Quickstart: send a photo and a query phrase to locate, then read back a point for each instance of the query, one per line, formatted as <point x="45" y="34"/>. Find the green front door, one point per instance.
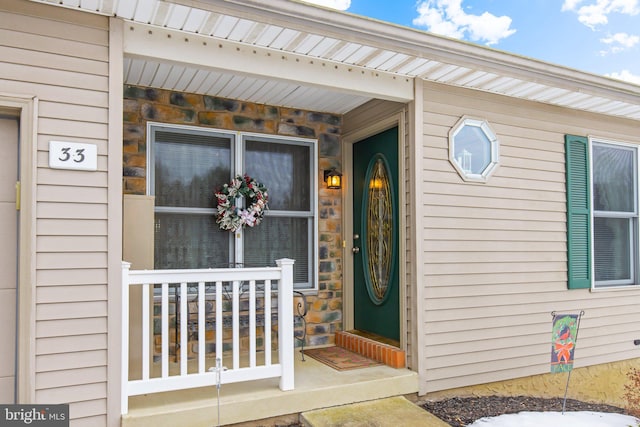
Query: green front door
<point x="375" y="239"/>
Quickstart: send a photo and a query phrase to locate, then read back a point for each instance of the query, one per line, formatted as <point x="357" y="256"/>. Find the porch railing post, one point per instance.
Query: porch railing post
<point x="285" y="324"/>
<point x="124" y="363"/>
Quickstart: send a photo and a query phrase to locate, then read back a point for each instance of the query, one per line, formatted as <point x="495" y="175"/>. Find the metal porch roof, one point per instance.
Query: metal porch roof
<point x="340" y="38"/>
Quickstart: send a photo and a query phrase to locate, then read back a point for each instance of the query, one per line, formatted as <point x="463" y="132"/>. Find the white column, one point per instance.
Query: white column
<point x="285" y="324"/>
<point x="124" y="394"/>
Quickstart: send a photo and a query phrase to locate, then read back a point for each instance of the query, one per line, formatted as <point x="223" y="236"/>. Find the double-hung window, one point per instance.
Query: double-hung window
<point x="615" y="213"/>
<point x="187" y="165"/>
<point x="602" y="213"/>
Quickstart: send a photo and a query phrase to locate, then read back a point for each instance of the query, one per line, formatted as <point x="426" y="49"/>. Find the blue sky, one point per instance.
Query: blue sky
<point x="597" y="36"/>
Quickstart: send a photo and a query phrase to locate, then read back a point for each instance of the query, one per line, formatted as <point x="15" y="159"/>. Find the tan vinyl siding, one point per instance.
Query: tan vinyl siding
<point x="494" y="254"/>
<point x="57" y="363"/>
<point x="370" y="114"/>
<point x="71" y="243"/>
<point x="62" y="227"/>
<point x="71" y="277"/>
<point x="52" y="345"/>
<point x="61" y="57"/>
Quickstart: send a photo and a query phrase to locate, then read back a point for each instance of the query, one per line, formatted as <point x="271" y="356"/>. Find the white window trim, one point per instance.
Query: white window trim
<point x="239" y="138"/>
<point x="635" y="231"/>
<point x="483" y="125"/>
<point x="313" y="213"/>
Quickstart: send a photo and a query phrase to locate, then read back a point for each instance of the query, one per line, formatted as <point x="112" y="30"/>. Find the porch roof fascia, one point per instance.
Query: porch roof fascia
<point x="444" y="60"/>
<point x="156" y="44"/>
<point x="421" y="44"/>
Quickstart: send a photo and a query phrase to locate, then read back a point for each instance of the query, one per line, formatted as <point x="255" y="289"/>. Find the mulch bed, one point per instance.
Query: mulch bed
<point x="460" y="412"/>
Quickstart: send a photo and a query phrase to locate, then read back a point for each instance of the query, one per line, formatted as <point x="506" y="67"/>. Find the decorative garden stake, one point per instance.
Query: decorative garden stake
<point x="218" y="371"/>
<point x="564" y="337"/>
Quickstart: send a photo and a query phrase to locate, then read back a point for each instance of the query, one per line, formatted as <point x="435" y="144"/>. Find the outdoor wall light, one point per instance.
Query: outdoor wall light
<point x="333" y="178"/>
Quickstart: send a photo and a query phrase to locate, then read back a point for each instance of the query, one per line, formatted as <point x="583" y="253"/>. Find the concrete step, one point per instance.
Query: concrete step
<point x="317" y="386"/>
<point x="390" y="412"/>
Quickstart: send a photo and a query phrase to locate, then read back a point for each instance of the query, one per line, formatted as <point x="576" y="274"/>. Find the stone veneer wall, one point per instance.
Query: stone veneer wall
<point x="141" y="104"/>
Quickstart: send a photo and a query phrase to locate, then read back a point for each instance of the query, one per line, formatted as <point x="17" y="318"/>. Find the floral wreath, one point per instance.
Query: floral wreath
<point x="231" y="217"/>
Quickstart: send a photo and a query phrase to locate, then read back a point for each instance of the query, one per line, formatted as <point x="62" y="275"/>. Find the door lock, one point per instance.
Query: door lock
<point x="355" y="250"/>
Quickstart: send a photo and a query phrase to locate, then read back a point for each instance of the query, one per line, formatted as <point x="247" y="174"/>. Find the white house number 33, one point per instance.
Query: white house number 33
<point x="73" y="155"/>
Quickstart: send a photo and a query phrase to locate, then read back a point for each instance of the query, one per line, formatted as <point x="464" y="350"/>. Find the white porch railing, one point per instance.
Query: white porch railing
<point x="229" y="282"/>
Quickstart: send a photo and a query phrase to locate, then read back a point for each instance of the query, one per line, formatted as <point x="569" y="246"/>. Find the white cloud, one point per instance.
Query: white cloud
<point x="447" y="18"/>
<point x="332" y="4"/>
<point x="626" y="75"/>
<point x="624" y="39"/>
<point x="593" y="15"/>
<point x="597" y="13"/>
<point x="570" y="4"/>
<point x="619" y="42"/>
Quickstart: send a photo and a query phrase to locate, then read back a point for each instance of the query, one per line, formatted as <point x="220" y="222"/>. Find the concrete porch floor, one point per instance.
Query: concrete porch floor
<point x="316" y="386"/>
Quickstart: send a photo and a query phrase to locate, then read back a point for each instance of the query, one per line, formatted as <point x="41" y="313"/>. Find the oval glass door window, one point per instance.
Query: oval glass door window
<point x="379" y="230"/>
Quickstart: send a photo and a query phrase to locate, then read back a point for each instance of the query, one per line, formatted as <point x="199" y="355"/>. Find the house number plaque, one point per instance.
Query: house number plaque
<point x="73" y="155"/>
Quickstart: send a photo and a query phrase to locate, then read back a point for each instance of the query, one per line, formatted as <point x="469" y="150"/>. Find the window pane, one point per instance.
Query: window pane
<point x="612" y="244"/>
<point x="277" y="238"/>
<point x="472" y="149"/>
<point x="189" y="168"/>
<point x="613" y="179"/>
<point x="190" y="241"/>
<point x="284" y="169"/>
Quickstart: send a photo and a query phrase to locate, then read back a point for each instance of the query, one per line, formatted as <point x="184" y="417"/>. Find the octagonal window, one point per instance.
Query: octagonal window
<point x="473" y="149"/>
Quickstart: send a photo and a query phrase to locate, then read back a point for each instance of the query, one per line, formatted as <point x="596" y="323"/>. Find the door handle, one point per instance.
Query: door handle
<point x="355" y="250"/>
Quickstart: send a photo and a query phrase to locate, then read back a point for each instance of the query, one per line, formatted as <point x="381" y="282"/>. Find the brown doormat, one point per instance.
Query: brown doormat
<point x="340" y="358"/>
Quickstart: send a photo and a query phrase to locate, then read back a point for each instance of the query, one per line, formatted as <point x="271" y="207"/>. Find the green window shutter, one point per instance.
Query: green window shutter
<point x="578" y="212"/>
